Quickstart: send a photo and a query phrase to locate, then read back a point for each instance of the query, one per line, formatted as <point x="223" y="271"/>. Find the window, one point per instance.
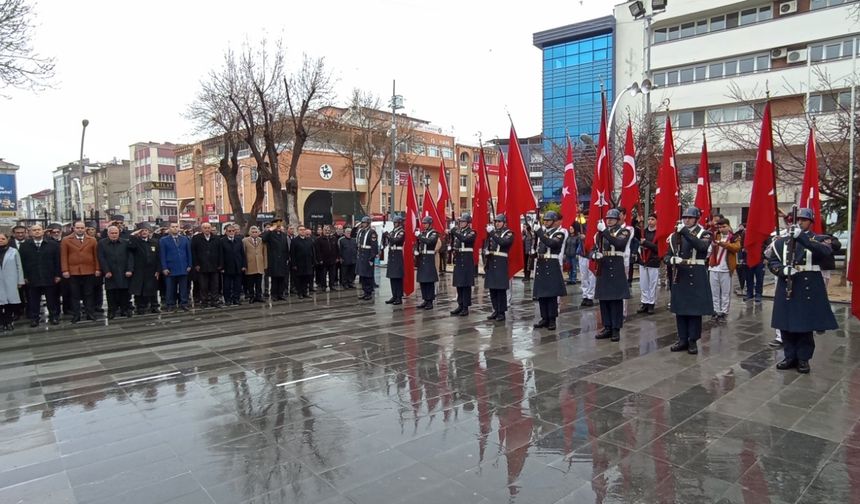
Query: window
<point x="762" y="63"/>
<point x="715" y="70"/>
<point x="715" y="116"/>
<point x="660" y="79"/>
<point x="765" y="13"/>
<point x="715" y="172"/>
<point x="447" y="153"/>
<point x="749" y="16"/>
<point x="701" y="26"/>
<point x="688" y="30"/>
<point x="686" y="75"/>
<point x="731" y="67"/>
<point x="718" y="23"/>
<point x="361" y="173"/>
<point x="464" y="158"/>
<point x="816" y="52"/>
<point x="672" y="78"/>
<point x="700" y="73"/>
<point x="832" y="51"/>
<point x="750" y="170"/>
<point x="746" y="65"/>
<point x="673" y="33"/>
<point x="418" y="149"/>
<point x="432" y="151"/>
<point x="731" y="20"/>
<point x="688" y="174"/>
<point x="464" y="181"/>
<point x="660" y="35"/>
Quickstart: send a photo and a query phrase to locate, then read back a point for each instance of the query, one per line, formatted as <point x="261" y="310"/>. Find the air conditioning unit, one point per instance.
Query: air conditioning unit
<point x="796" y="56"/>
<point x="789" y="7"/>
<point x="779" y="53"/>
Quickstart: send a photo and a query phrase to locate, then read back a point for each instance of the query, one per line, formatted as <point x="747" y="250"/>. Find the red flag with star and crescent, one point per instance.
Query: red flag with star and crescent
<point x="854" y="269"/>
<point x="703" y="187"/>
<point x="443" y="196"/>
<point x="521" y="200"/>
<point x="502" y="186"/>
<point x="667" y="200"/>
<point x="809" y="195"/>
<point x="410" y="224"/>
<point x="601" y="184"/>
<point x="762" y="214"/>
<point x="480" y="206"/>
<point x="428" y="207"/>
<point x="629" y="179"/>
<point x="569" y="191"/>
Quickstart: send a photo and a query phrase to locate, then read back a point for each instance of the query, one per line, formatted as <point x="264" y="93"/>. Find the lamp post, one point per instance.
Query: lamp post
<point x="76" y="182"/>
<point x="396" y="103"/>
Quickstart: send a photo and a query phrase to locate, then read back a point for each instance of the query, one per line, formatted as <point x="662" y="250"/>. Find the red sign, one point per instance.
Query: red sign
<point x="225" y="218"/>
<point x="209" y="208"/>
<point x="491" y="169"/>
<point x="377" y="217"/>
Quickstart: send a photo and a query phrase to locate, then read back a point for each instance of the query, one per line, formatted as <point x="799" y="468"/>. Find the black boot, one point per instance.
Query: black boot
<point x="464" y="312"/>
<point x="429" y="305"/>
<point x="616" y="335"/>
<point x="650" y="308"/>
<point x="604" y="334"/>
<point x="541" y="323"/>
<point x="500" y="317"/>
<point x="787" y="364"/>
<point x="643" y="308"/>
<point x="422" y="305"/>
<point x="551" y="324"/>
<point x="390" y="301"/>
<point x="802" y="366"/>
<point x="679" y="347"/>
<point x="457" y="310"/>
<point x="493" y="316"/>
<point x="693" y="348"/>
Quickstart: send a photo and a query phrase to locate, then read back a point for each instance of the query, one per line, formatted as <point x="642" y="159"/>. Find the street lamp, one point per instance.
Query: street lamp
<point x="77" y="180"/>
<point x="634" y="89"/>
<point x="396" y="103"/>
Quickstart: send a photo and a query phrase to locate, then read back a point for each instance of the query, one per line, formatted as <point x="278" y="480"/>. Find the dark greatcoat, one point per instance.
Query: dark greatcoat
<point x="548" y="277"/>
<point x="348" y="250"/>
<point x="495" y="265"/>
<point x="368" y="249"/>
<point x="302" y="257"/>
<point x="147" y="262"/>
<point x="426" y="256"/>
<point x="326" y="250"/>
<point x="691" y="287"/>
<point x="206" y="254"/>
<point x="41" y="266"/>
<point x="612" y="282"/>
<point x="233" y="255"/>
<point x="808" y="308"/>
<point x="278" y="250"/>
<point x="396" y="238"/>
<point x="464" y="259"/>
<point x="115" y="258"/>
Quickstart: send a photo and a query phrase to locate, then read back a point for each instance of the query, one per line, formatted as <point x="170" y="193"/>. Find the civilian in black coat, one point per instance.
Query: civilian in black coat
<point x="302" y="260"/>
<point x="147" y="270"/>
<point x="40" y="259"/>
<point x="348" y="251"/>
<point x="117" y="266"/>
<point x="278" y="258"/>
<point x="206" y="256"/>
<point x="235" y="264"/>
<point x="326" y="252"/>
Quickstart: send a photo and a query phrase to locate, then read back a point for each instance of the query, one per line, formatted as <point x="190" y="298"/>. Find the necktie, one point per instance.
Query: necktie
<point x="176" y="240"/>
<point x="38" y="245"/>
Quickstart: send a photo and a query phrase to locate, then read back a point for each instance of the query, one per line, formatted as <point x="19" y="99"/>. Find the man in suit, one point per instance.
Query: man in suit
<point x="40" y="259"/>
<point x="80" y="265"/>
<point x="117" y="263"/>
<point x="234" y="264"/>
<point x="147" y="270"/>
<point x="175" y="256"/>
<point x="326" y="252"/>
<point x="207" y="258"/>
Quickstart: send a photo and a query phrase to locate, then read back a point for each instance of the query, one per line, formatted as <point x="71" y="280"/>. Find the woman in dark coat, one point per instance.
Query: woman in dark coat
<point x="147" y="268"/>
<point x="394" y="271"/>
<point x="302" y="261"/>
<point x="425" y="259"/>
<point x="499" y="241"/>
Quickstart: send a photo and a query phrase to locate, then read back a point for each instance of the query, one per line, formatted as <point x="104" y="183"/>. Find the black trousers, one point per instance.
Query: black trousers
<point x="396" y="288"/>
<point x="612" y="313"/>
<point x="141" y="303"/>
<point x="7" y="313"/>
<point x="52" y="299"/>
<point x="798" y="345"/>
<point x="303" y="282"/>
<point x="326" y="275"/>
<point x="117" y="299"/>
<point x="65" y="289"/>
<point x="99" y="293"/>
<point x="337" y="273"/>
<point x="81" y="288"/>
<point x="24" y="295"/>
<point x="209" y="292"/>
<point x="464" y="297"/>
<point x="428" y="291"/>
<point x="278" y="287"/>
<point x="255" y="286"/>
<point x="347" y="277"/>
<point x="367" y="285"/>
<point x="499" y="298"/>
<point x="689" y="328"/>
<point x="232" y="287"/>
<point x="548" y="307"/>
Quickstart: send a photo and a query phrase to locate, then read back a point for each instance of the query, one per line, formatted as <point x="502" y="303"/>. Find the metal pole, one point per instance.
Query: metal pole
<point x="851" y="148"/>
<point x="648" y="119"/>
<point x="393" y="145"/>
<point x="84" y="123"/>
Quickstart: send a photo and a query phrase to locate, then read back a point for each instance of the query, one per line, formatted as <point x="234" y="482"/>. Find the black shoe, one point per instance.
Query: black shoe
<point x="679" y="347"/>
<point x="642" y="309"/>
<point x="693" y="348"/>
<point x="99" y="310"/>
<point x="457" y="310"/>
<point x="464" y="312"/>
<point x="127" y="314"/>
<point x="34" y="323"/>
<point x="606" y="333"/>
<point x="422" y="305"/>
<point x="500" y="317"/>
<point x="616" y="335"/>
<point x="428" y="306"/>
<point x="802" y="366"/>
<point x="492" y="316"/>
<point x="541" y="323"/>
<point x="390" y="301"/>
<point x="397" y="302"/>
<point x="54" y="321"/>
<point x="110" y="316"/>
<point x="184" y="308"/>
<point x="550" y="325"/>
<point x="587" y="302"/>
<point x="788" y="364"/>
<point x="650" y="309"/>
<point x="154" y="309"/>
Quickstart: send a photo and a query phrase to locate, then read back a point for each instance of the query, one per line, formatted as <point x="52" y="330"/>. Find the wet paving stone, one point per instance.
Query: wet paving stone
<point x="336" y="402"/>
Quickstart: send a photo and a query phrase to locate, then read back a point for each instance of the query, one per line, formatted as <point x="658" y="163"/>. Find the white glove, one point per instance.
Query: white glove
<point x="788" y="271"/>
<point x="601" y="226"/>
<point x="676" y="260"/>
<point x="795" y="231"/>
<point x="452" y="226"/>
<point x="597" y="256"/>
<point x="417" y="233"/>
<point x="679" y="227"/>
<point x="490" y="228"/>
<point x="536" y="227"/>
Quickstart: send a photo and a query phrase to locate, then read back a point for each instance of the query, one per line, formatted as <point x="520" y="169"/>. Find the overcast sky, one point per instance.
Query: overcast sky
<point x="132" y="68"/>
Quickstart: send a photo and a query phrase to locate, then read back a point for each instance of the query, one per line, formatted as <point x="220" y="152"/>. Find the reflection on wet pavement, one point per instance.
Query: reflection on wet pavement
<point x="330" y="402"/>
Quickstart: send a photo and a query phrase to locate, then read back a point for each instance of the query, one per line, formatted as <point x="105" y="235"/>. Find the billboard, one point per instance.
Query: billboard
<point x="8" y="195"/>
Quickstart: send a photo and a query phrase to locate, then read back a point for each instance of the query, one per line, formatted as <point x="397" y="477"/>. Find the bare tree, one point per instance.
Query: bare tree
<point x="20" y="66"/>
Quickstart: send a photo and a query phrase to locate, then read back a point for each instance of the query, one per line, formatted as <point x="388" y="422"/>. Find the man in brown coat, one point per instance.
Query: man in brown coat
<point x="80" y="264"/>
<point x="255" y="253"/>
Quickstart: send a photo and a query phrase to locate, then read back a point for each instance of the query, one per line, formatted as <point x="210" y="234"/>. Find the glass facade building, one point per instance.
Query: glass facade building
<point x="577" y="60"/>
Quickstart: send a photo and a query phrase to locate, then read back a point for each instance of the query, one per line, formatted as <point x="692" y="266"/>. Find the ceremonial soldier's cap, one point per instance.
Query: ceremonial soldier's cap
<point x="144" y="225"/>
<point x="806" y="213"/>
<point x="613" y="214"/>
<point x="500" y="218"/>
<point x="365" y="220"/>
<point x="397" y="219"/>
<point x="277" y="222"/>
<point x="551" y="215"/>
<point x="692" y="212"/>
<point x="427" y="220"/>
<point x="465" y="217"/>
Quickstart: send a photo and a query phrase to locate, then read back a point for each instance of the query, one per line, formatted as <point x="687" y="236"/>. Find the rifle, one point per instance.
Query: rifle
<point x="789" y="254"/>
<point x="450" y="252"/>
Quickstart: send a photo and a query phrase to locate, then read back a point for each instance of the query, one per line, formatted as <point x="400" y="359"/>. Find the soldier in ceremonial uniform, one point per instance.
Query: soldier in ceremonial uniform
<point x="499" y="241"/>
<point x="464" y="263"/>
<point x="395" y="272"/>
<point x="612" y="288"/>
<point x="425" y="253"/>
<point x="368" y="249"/>
<point x="691" y="289"/>
<point x="800" y="303"/>
<point x="549" y="279"/>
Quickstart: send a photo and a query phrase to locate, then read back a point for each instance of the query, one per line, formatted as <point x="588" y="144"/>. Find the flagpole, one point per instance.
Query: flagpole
<point x="486" y="177"/>
<point x="773" y="163"/>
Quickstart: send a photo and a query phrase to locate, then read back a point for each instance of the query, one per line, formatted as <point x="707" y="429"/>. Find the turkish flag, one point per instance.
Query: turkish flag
<point x="410" y="224"/>
<point x="429" y="208"/>
<point x="667" y="201"/>
<point x="569" y="191"/>
<point x="854" y="269"/>
<point x="480" y="202"/>
<point x="629" y="179"/>
<point x="442" y="194"/>
<point x="703" y="187"/>
<point x="762" y="214"/>
<point x="601" y="185"/>
<point x="521" y="200"/>
<point x="502" y="186"/>
<point x="809" y="196"/>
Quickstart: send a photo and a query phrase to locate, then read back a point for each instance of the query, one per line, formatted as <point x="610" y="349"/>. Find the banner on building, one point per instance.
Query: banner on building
<point x="8" y="196"/>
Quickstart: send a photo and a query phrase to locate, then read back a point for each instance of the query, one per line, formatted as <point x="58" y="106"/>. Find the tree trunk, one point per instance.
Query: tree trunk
<point x="259" y="194"/>
<point x="275" y="177"/>
<point x="292" y="178"/>
<point x="229" y="169"/>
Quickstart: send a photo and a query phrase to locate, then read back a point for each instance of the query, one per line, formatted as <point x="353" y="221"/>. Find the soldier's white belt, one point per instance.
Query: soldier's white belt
<point x="802" y="268"/>
<point x="368" y="247"/>
<point x="548" y="256"/>
<point x="464" y="249"/>
<point x="694" y="262"/>
<point x="613" y="253"/>
<point x="500" y="254"/>
<point x="429" y="252"/>
<point x="395" y="248"/>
